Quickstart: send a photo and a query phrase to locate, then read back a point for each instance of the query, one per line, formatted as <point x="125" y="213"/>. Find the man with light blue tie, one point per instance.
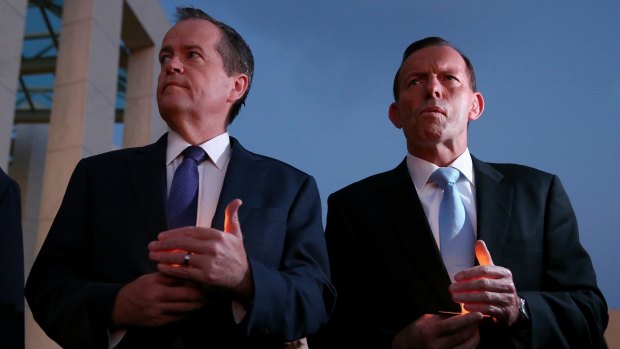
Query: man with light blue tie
<point x="401" y="243"/>
<point x="192" y="241"/>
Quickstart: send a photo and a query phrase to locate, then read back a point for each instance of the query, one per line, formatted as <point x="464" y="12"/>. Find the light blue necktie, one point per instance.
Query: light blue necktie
<point x="456" y="235"/>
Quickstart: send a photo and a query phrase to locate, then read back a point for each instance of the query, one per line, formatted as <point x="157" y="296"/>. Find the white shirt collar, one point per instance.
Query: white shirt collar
<point x="420" y="170"/>
<point x="215" y="147"/>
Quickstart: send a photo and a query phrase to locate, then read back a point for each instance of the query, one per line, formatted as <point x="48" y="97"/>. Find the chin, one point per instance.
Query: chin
<point x="169" y="113"/>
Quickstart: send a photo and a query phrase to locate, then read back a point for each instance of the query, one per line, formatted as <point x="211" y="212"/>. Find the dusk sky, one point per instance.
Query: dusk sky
<point x="548" y="71"/>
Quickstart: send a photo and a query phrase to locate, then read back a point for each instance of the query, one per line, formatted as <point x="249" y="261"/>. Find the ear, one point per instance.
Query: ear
<point x="240" y="86"/>
<point x="477" y="106"/>
<point x="394" y="115"/>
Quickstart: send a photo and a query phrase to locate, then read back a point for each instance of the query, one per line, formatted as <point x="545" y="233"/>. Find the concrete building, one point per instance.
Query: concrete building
<point x="94" y="65"/>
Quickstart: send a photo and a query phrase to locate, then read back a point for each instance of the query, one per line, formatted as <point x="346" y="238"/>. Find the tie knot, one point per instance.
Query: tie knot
<point x="195" y="153"/>
<point x="445" y="176"/>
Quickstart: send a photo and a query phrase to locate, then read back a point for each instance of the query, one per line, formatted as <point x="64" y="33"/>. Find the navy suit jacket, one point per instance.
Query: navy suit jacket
<point x="114" y="206"/>
<point x="388" y="270"/>
<point x="12" y="262"/>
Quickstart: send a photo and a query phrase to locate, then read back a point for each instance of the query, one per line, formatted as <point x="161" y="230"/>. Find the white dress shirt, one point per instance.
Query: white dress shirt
<point x="211" y="174"/>
<point x="430" y="194"/>
<point x="211" y="171"/>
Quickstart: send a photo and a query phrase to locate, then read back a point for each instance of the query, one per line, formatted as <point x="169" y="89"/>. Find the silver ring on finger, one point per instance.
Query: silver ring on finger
<point x="186" y="259"/>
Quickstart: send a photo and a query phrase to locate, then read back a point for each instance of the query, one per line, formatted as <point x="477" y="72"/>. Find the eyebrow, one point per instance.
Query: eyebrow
<point x="192" y="47"/>
<point x="449" y="71"/>
<point x="168" y="48"/>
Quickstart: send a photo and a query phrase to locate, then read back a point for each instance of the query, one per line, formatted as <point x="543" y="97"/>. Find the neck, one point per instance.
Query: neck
<point x="197" y="130"/>
<point x="439" y="155"/>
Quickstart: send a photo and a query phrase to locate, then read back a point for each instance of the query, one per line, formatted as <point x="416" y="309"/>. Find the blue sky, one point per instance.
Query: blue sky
<point x="548" y="71"/>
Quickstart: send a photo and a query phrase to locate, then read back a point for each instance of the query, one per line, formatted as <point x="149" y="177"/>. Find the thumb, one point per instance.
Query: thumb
<point x="231" y="218"/>
<point x="482" y="253"/>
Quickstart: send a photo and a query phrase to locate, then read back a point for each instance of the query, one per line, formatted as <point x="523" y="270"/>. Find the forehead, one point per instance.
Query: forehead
<point x="436" y="59"/>
<point x="192" y="32"/>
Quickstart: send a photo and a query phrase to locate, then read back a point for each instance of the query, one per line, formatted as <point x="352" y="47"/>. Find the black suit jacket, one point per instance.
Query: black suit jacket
<point x="114" y="206"/>
<point x="12" y="262"/>
<point x="388" y="270"/>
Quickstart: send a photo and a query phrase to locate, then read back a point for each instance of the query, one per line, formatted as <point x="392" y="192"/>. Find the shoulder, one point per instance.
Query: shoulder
<point x="514" y="172"/>
<point x="263" y="163"/>
<point x="155" y="150"/>
<point x="4" y="180"/>
<point x="6" y="183"/>
<point x="374" y="185"/>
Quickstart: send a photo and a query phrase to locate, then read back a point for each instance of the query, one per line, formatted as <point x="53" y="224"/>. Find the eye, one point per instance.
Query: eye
<point x="413" y="82"/>
<point x="453" y="78"/>
<point x="164" y="58"/>
<point x="193" y="55"/>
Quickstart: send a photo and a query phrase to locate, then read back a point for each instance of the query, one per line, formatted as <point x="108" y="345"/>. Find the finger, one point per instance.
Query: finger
<point x="497" y="293"/>
<point x="450" y="332"/>
<point x="480" y="272"/>
<point x="190" y="241"/>
<point x="482" y="253"/>
<point x="472" y="341"/>
<point x="174" y="258"/>
<point x="180" y="309"/>
<point x="458" y="322"/>
<point x="169" y="281"/>
<point x="183" y="294"/>
<point x="488" y="284"/>
<point x="177" y="232"/>
<point x="231" y="218"/>
<point x="190" y="273"/>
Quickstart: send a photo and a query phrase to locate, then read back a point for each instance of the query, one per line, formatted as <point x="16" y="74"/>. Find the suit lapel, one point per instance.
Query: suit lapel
<point x="402" y="206"/>
<point x="147" y="167"/>
<point x="494" y="203"/>
<point x="242" y="177"/>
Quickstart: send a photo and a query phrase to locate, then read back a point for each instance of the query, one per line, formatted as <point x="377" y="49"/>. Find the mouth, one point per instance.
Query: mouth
<point x="173" y="83"/>
<point x="433" y="109"/>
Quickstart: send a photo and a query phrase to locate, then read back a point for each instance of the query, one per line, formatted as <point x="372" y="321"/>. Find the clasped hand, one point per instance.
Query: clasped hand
<point x="217" y="260"/>
<point x="486" y="289"/>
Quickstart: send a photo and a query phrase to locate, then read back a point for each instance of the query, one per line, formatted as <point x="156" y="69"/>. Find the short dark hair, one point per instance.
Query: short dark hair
<point x="234" y="51"/>
<point x="426" y="42"/>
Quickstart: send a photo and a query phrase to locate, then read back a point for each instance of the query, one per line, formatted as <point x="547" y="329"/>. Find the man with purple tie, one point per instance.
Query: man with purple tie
<point x="193" y="241"/>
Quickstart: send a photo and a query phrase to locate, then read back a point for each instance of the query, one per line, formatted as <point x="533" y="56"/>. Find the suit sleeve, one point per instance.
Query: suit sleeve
<point x="12" y="261"/>
<point x="297" y="297"/>
<point x="66" y="301"/>
<point x="570" y="311"/>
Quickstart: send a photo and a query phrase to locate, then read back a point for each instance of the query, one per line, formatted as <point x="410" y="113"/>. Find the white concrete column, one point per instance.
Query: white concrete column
<point x="84" y="104"/>
<point x="12" y="23"/>
<point x="84" y="94"/>
<point x="143" y="35"/>
<point x="138" y="128"/>
<point x="27" y="170"/>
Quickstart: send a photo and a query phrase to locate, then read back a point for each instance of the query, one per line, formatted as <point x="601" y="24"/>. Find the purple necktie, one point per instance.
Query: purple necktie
<point x="182" y="202"/>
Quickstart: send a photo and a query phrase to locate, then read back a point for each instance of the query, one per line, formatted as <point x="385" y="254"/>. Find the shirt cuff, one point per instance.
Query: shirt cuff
<point x="115" y="337"/>
<point x="238" y="311"/>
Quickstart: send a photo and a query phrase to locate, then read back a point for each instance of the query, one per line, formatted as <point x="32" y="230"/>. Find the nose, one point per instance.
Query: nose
<point x="433" y="88"/>
<point x="173" y="65"/>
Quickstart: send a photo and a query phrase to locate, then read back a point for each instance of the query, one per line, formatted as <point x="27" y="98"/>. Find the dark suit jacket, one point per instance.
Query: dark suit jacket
<point x="12" y="262"/>
<point x="388" y="270"/>
<point x="114" y="206"/>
